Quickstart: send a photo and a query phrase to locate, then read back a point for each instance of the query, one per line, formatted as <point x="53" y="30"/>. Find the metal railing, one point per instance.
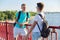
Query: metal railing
<point x="53" y="31"/>
<point x="52" y="27"/>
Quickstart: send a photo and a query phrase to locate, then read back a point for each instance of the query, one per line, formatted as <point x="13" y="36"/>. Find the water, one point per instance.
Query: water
<point x="53" y="19"/>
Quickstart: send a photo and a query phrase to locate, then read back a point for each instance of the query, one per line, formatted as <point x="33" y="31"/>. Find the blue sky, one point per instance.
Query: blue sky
<point x="50" y="5"/>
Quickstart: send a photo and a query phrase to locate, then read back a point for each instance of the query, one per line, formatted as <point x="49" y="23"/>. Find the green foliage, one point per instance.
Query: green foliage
<point x="10" y="15"/>
<point x="32" y="13"/>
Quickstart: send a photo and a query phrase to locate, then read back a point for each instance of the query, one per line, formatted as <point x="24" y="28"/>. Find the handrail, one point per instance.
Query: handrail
<point x="55" y="27"/>
<point x="52" y="27"/>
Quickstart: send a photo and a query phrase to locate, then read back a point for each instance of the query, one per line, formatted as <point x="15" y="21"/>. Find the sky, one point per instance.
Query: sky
<point x="49" y="5"/>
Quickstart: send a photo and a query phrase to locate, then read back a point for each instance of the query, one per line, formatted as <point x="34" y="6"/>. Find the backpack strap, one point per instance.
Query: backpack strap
<point x="27" y="16"/>
<point x="19" y="16"/>
<point x="38" y="24"/>
<point x="19" y="13"/>
<point x="38" y="27"/>
<point x="40" y="16"/>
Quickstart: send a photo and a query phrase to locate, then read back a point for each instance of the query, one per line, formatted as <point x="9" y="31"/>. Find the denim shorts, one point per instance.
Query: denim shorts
<point x="36" y="35"/>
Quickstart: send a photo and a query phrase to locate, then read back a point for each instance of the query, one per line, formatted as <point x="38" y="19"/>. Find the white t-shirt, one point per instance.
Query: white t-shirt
<point x="39" y="20"/>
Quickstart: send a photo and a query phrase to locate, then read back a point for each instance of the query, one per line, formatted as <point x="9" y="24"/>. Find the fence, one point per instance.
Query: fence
<point x="6" y="31"/>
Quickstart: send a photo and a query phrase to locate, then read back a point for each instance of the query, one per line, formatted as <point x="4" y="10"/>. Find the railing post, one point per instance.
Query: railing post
<point x="53" y="31"/>
<point x="6" y="29"/>
<point x="45" y="38"/>
<point x="6" y="32"/>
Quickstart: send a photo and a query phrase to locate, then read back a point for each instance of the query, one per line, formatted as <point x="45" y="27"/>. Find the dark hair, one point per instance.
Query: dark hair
<point x="23" y="4"/>
<point x="40" y="5"/>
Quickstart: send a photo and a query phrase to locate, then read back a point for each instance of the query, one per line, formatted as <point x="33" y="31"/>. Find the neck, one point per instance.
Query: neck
<point x="23" y="10"/>
<point x="40" y="11"/>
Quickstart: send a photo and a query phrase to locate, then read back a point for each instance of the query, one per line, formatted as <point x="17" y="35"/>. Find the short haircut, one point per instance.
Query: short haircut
<point x="40" y="5"/>
<point x="23" y="4"/>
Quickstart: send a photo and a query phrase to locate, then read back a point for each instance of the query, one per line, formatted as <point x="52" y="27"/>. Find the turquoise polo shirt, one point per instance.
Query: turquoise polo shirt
<point x="22" y="19"/>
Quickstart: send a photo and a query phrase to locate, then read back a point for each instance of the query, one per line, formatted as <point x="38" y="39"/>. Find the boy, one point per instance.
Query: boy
<point x="35" y="31"/>
<point x="19" y="28"/>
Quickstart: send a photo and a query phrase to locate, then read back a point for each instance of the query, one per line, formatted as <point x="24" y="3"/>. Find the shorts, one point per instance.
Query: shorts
<point x="36" y="36"/>
<point x="21" y="31"/>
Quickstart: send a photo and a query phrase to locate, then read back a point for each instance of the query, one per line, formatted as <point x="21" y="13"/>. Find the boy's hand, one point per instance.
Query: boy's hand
<point x="21" y="25"/>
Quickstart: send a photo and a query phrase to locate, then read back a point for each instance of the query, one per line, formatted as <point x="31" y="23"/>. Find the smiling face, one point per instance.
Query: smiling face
<point x="23" y="7"/>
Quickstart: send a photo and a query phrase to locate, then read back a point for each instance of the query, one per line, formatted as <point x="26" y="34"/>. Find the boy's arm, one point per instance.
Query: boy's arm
<point x="32" y="27"/>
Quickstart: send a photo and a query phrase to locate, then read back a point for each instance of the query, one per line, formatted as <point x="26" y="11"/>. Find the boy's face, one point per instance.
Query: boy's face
<point x="23" y="8"/>
<point x="38" y="9"/>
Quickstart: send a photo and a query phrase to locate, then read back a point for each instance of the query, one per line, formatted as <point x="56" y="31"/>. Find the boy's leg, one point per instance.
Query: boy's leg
<point x="15" y="32"/>
<point x="18" y="32"/>
<point x="14" y="38"/>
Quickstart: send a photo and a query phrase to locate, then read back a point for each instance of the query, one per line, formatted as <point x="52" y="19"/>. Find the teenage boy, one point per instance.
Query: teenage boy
<point x="19" y="28"/>
<point x="34" y="29"/>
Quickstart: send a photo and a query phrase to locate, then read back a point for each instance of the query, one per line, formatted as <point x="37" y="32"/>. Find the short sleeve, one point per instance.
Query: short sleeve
<point x="28" y="16"/>
<point x="36" y="18"/>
